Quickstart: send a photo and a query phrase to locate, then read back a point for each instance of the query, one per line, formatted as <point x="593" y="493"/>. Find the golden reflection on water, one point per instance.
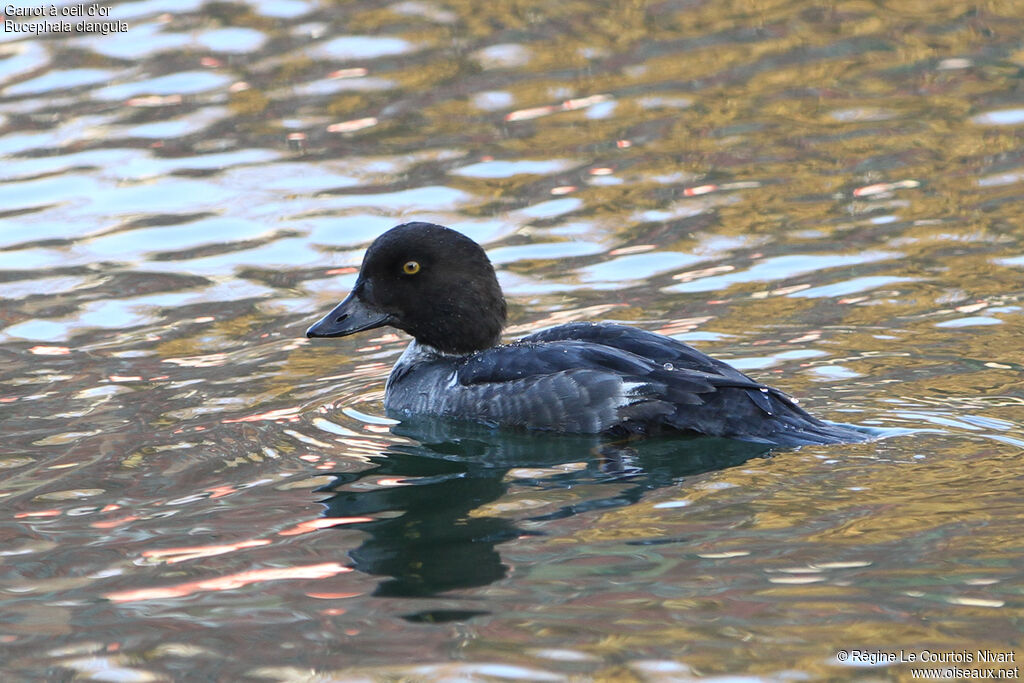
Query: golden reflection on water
<point x="787" y="147"/>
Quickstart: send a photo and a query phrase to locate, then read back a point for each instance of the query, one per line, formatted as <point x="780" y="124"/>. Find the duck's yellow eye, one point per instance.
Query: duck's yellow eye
<point x="411" y="267"/>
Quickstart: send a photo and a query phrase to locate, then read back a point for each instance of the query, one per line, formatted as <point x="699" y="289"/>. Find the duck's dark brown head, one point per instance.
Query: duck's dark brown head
<point x="428" y="280"/>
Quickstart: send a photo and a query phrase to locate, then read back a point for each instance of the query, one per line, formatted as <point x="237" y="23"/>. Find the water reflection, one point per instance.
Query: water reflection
<point x="432" y="501"/>
<point x="827" y="196"/>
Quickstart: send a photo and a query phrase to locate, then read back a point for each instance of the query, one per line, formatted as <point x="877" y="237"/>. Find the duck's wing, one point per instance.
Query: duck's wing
<point x="665" y="351"/>
<point x="581" y="386"/>
<point x="696" y="392"/>
<point x="570" y="386"/>
<point x="658" y="348"/>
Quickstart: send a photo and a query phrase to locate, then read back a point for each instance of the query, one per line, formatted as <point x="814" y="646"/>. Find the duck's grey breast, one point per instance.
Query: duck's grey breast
<point x="578" y="400"/>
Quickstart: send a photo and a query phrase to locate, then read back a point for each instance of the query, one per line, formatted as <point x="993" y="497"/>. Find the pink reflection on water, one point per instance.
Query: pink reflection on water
<point x="568" y="105"/>
<point x="221" y="491"/>
<point x="321" y="523"/>
<point x="50" y="350"/>
<point x="699" y="190"/>
<point x="279" y="414"/>
<point x="111" y="523"/>
<point x="882" y="188"/>
<point x="682" y="325"/>
<point x="207" y="361"/>
<point x="38" y="513"/>
<point x="230" y="582"/>
<point x="357" y="72"/>
<point x="174" y="555"/>
<point x="352" y="126"/>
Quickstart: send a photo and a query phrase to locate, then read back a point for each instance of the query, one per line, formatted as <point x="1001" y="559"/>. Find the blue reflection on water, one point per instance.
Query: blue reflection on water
<point x="131" y="243"/>
<point x="554" y="207"/>
<point x="780" y="267"/>
<point x="434" y="197"/>
<point x="231" y="39"/>
<point x="507" y="169"/>
<point x="282" y="9"/>
<point x="59" y="80"/>
<point x="181" y="83"/>
<point x="1001" y="117"/>
<point x="543" y="250"/>
<point x="361" y="47"/>
<point x="970" y="321"/>
<point x="634" y="267"/>
<point x="851" y="286"/>
<point x="762" y="362"/>
<point x="139" y="40"/>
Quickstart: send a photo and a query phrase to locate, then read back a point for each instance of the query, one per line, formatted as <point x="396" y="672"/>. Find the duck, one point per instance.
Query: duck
<point x="602" y="378"/>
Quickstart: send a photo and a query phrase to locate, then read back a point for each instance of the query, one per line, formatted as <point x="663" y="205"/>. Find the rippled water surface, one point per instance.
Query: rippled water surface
<point x="826" y="195"/>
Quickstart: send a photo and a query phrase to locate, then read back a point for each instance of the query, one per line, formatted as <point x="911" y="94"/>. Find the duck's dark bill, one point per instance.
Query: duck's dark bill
<point x="350" y="316"/>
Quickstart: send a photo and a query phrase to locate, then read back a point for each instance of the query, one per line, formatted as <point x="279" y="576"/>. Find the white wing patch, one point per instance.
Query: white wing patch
<point x="630" y="392"/>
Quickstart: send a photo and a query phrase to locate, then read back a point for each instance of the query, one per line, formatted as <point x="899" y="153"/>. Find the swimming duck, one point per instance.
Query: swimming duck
<point x="438" y="285"/>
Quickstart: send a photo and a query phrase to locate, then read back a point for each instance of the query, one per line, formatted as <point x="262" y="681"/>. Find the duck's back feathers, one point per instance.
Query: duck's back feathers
<point x="603" y="378"/>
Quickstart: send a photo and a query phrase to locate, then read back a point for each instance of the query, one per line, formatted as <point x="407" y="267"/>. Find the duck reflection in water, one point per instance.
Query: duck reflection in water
<point x="432" y="533"/>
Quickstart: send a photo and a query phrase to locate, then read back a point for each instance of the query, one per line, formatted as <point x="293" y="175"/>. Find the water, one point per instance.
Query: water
<point x="826" y="197"/>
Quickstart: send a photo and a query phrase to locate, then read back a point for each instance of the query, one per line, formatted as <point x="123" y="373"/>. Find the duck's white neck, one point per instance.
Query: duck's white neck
<point x="416" y="352"/>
